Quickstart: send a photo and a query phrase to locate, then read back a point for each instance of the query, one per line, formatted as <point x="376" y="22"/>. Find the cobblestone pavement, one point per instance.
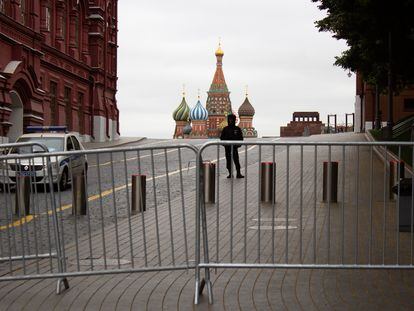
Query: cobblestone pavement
<point x="234" y="289"/>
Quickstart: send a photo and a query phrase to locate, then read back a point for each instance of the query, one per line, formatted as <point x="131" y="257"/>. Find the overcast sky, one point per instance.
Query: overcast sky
<point x="270" y="45"/>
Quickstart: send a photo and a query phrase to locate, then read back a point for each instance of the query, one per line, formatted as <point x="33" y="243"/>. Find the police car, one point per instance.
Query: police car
<point x="56" y="139"/>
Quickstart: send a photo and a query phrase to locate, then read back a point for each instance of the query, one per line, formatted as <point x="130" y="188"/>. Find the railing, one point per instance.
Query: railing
<point x="300" y="205"/>
<point x="332" y="209"/>
<point x="92" y="228"/>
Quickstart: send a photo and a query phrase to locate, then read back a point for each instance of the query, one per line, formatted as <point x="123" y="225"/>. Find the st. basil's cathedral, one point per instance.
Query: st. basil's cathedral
<point x="207" y="122"/>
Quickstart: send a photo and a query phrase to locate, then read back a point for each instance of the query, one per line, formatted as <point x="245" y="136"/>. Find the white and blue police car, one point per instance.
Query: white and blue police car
<point x="56" y="139"/>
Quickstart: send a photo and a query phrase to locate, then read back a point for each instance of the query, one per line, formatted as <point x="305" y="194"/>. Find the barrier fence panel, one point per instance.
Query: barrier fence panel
<point x="140" y="209"/>
<point x="306" y="205"/>
<point x="74" y="213"/>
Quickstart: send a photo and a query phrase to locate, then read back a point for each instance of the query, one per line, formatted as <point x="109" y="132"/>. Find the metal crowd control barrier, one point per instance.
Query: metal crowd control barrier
<point x="360" y="231"/>
<point x="22" y="242"/>
<point x="103" y="235"/>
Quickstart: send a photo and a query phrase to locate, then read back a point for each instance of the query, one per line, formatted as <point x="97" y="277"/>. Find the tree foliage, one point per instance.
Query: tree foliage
<point x="367" y="26"/>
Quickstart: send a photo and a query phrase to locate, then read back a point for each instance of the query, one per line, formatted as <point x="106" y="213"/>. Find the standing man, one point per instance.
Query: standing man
<point x="232" y="132"/>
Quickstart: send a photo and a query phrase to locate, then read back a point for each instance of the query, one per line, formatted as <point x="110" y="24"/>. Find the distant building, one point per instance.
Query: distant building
<point x="365" y="108"/>
<point x="302" y="124"/>
<point x="58" y="66"/>
<point x="208" y="122"/>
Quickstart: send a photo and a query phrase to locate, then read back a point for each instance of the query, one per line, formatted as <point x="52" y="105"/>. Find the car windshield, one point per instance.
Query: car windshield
<point x="54" y="144"/>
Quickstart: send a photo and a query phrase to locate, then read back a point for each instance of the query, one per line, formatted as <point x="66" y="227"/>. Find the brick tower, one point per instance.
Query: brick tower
<point x="218" y="101"/>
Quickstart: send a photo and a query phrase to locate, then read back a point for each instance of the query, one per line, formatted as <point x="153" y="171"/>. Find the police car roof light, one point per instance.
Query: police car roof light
<point x="41" y="129"/>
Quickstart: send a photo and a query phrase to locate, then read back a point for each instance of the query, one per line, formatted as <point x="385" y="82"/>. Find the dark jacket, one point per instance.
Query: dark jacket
<point x="231" y="132"/>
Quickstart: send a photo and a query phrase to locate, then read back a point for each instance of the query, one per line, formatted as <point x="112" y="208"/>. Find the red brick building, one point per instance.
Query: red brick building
<point x="302" y="124"/>
<point x="58" y="67"/>
<point x="365" y="108"/>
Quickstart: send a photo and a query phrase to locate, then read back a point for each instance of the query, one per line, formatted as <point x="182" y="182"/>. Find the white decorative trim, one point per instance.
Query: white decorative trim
<point x="33" y="116"/>
<point x="96" y="16"/>
<point x="5" y="109"/>
<point x="11" y="67"/>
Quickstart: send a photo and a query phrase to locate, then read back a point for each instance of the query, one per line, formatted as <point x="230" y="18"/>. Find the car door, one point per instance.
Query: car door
<point x="74" y="159"/>
<point x="79" y="159"/>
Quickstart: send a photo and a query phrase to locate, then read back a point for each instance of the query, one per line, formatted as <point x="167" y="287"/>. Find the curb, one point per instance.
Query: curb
<point x="117" y="145"/>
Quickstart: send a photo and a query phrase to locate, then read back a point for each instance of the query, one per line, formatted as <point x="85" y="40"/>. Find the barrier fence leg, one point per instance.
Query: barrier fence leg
<point x="206" y="255"/>
<point x="199" y="186"/>
<point x="61" y="268"/>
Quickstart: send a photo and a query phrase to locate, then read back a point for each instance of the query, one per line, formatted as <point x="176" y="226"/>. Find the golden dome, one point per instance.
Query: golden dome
<point x="219" y="51"/>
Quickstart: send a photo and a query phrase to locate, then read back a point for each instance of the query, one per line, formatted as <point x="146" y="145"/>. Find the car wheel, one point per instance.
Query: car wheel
<point x="63" y="182"/>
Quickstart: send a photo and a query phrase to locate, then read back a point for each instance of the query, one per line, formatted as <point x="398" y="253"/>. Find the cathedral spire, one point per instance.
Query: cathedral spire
<point x="218" y="101"/>
<point x="219" y="83"/>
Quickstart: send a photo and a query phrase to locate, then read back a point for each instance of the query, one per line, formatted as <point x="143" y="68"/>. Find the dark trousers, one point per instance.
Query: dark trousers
<point x="235" y="158"/>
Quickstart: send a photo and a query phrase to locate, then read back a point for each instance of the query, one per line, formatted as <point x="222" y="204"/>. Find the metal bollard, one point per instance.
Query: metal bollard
<point x="267" y="182"/>
<point x="79" y="195"/>
<point x="395" y="166"/>
<point x="138" y="193"/>
<point x="209" y="180"/>
<point x="22" y="195"/>
<point x="333" y="182"/>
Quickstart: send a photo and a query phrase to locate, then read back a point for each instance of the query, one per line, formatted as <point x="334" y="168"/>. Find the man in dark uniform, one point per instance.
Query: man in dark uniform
<point x="232" y="132"/>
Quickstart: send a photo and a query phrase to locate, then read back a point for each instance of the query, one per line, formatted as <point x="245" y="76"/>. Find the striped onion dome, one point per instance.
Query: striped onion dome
<point x="182" y="112"/>
<point x="198" y="112"/>
<point x="246" y="109"/>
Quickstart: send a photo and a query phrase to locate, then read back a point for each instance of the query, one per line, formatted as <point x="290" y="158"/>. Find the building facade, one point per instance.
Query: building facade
<point x="58" y="66"/>
<point x="304" y="123"/>
<point x="366" y="110"/>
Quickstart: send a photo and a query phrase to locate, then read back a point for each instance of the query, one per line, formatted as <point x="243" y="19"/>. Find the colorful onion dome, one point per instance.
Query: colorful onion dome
<point x="187" y="129"/>
<point x="246" y="109"/>
<point x="198" y="112"/>
<point x="182" y="112"/>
